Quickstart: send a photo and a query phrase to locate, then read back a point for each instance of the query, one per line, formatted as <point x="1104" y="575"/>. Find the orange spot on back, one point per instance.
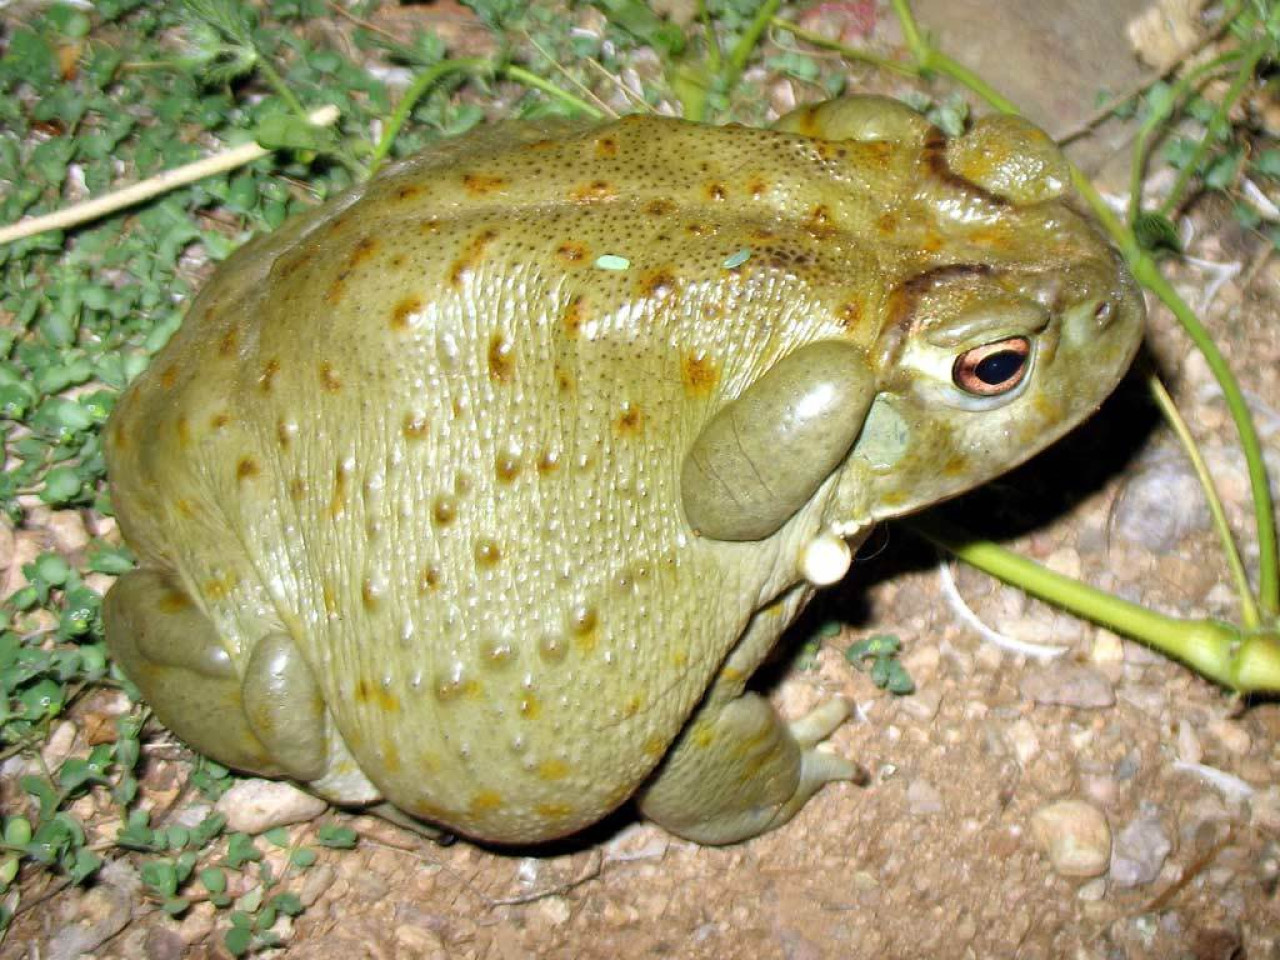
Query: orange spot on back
<point x="506" y="467"/>
<point x="850" y="314"/>
<point x="699" y="372"/>
<point x="364" y="248"/>
<point x="428" y="579"/>
<point x="267" y="378"/>
<point x="571" y="320"/>
<point x="554" y="811"/>
<point x="486" y="801"/>
<point x="631" y="423"/>
<point x="502" y="362"/>
<point x="657" y="283"/>
<point x="482" y="184"/>
<point x="553" y="769"/>
<point x="338" y="502"/>
<point x="571" y="253"/>
<point x="246" y="469"/>
<point x="488" y="553"/>
<point x="329" y="381"/>
<point x="470" y="257"/>
<point x="597" y="191"/>
<point x="414" y="426"/>
<point x="402" y="314"/>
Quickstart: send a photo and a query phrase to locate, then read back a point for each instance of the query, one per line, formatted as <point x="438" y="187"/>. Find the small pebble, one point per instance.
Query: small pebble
<point x="1189" y="749"/>
<point x="253" y="806"/>
<point x="1091" y="891"/>
<point x="318" y="880"/>
<point x="163" y="944"/>
<point x="1232" y="736"/>
<point x="1075" y="836"/>
<point x="923" y="799"/>
<point x="197" y="923"/>
<point x="67" y="530"/>
<point x="1024" y="741"/>
<point x="1139" y="852"/>
<point x="922" y="705"/>
<point x="1264" y="809"/>
<point x="1068" y="685"/>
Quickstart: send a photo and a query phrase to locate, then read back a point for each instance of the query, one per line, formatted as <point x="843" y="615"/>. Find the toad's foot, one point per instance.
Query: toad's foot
<point x="738" y="770"/>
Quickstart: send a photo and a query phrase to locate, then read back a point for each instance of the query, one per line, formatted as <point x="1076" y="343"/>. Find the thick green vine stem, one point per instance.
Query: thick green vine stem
<point x="1243" y="662"/>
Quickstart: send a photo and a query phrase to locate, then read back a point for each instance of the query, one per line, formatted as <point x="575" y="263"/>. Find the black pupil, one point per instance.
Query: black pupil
<point x="996" y="368"/>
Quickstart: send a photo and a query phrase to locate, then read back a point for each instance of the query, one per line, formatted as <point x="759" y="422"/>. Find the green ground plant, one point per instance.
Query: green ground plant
<point x="130" y="90"/>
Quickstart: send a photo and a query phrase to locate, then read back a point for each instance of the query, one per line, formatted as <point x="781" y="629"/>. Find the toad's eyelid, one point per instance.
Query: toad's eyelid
<point x="989" y="323"/>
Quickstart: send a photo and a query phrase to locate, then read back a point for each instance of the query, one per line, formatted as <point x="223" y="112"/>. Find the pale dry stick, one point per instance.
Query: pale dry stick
<point x="154" y="186"/>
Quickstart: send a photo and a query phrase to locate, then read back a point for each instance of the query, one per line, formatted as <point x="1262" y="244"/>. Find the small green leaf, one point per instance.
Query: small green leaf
<point x="213" y="879"/>
<point x="303" y="857"/>
<point x="161" y="876"/>
<point x="237" y="939"/>
<point x="287" y="903"/>
<point x="240" y="850"/>
<point x="336" y="838"/>
<point x="86" y="864"/>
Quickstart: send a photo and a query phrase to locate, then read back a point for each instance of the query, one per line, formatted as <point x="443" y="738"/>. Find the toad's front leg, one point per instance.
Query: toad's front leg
<point x="738" y="769"/>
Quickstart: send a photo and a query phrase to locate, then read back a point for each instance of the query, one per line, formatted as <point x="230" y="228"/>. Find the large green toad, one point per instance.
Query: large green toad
<point x="482" y="491"/>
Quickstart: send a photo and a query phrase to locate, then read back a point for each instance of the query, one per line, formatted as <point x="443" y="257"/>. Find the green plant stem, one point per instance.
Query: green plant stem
<point x="930" y="60"/>
<point x="530" y="79"/>
<point x="1248" y="608"/>
<point x="1217" y="650"/>
<point x="1252" y="57"/>
<point x="475" y="66"/>
<point x="281" y="88"/>
<point x="1138" y="162"/>
<point x="742" y="50"/>
<point x="849" y="53"/>
<point x="714" y="57"/>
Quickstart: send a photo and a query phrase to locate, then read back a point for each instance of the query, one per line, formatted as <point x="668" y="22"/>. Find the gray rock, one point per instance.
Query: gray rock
<point x="1075" y="836"/>
<point x="1159" y="506"/>
<point x="1138" y="853"/>
<point x="257" y="805"/>
<point x="1068" y="685"/>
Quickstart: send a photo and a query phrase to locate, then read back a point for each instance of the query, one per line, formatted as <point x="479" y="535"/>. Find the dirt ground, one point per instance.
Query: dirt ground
<point x="936" y="855"/>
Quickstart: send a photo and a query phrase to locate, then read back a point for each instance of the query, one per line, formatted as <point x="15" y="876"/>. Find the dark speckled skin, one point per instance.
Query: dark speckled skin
<point x="411" y="489"/>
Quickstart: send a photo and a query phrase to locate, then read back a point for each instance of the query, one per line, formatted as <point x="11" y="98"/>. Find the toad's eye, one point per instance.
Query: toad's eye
<point x="993" y="368"/>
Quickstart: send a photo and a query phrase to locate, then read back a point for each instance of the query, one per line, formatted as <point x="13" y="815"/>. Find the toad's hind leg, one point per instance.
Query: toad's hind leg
<point x="738" y="769"/>
<point x="270" y="722"/>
